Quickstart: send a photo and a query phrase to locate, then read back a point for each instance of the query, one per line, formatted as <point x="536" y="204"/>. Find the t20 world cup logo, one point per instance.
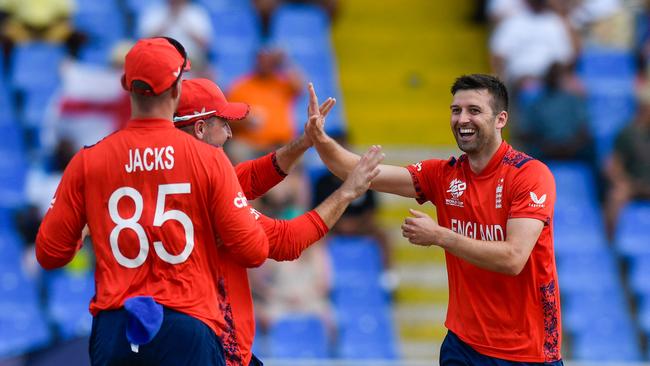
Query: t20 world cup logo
<point x="457" y="188"/>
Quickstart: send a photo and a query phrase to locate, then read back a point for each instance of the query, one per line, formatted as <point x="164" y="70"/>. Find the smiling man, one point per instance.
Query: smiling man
<point x="494" y="206"/>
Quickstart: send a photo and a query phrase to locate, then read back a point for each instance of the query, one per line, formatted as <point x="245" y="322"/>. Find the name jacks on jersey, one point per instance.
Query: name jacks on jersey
<point x="473" y="229"/>
<point x="150" y="159"/>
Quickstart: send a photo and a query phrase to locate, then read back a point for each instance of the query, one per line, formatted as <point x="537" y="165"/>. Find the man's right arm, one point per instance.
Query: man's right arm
<point x="59" y="234"/>
<point x="289" y="238"/>
<point x="391" y="179"/>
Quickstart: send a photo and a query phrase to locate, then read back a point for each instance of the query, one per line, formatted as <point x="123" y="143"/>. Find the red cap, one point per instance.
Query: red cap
<point x="202" y="98"/>
<point x="155" y="61"/>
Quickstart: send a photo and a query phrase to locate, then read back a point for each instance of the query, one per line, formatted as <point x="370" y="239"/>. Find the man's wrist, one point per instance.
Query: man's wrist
<point x="345" y="195"/>
<point x="304" y="143"/>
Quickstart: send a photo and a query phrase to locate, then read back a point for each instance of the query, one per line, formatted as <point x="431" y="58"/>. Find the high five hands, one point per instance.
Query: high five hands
<point x="359" y="179"/>
<point x="315" y="126"/>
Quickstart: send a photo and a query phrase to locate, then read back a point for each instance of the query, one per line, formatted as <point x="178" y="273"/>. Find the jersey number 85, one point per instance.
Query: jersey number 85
<point x="160" y="217"/>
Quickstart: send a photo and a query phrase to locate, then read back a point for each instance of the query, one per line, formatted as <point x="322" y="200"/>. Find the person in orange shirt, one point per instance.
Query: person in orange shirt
<point x="161" y="207"/>
<point x="270" y="90"/>
<point x="494" y="220"/>
<point x="205" y="113"/>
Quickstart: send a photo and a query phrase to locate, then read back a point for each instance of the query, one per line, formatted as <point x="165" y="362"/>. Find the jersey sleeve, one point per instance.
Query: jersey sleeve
<point x="59" y="236"/>
<point x="260" y="175"/>
<point x="289" y="238"/>
<point x="234" y="219"/>
<point x="425" y="175"/>
<point x="533" y="193"/>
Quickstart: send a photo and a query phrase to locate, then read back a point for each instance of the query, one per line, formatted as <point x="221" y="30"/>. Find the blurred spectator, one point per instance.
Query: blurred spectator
<point x="266" y="8"/>
<point x="642" y="38"/>
<point x="41" y="182"/>
<point x="499" y="10"/>
<point x="360" y="218"/>
<point x="628" y="169"/>
<point x="271" y="90"/>
<point x="526" y="44"/>
<point x="555" y="125"/>
<point x="331" y="7"/>
<point x="301" y="286"/>
<point x="91" y="104"/>
<point x="185" y="21"/>
<point x="43" y="20"/>
<point x="604" y="23"/>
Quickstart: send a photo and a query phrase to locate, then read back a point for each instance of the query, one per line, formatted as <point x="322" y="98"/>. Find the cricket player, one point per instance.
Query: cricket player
<point x="205" y="113"/>
<point x="161" y="207"/>
<point x="495" y="209"/>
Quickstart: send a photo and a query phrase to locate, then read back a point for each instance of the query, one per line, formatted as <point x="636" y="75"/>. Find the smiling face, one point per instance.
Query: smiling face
<point x="475" y="125"/>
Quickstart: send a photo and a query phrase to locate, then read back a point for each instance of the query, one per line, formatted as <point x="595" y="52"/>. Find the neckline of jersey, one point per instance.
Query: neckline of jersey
<point x="149" y="123"/>
<point x="493" y="164"/>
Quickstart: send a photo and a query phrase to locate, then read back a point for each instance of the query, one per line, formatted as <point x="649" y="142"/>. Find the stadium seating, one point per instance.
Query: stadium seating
<point x="578" y="228"/>
<point x="70" y="294"/>
<point x="299" y="337"/>
<point x="234" y="44"/>
<point x="368" y="334"/>
<point x="631" y="235"/>
<point x="22" y="326"/>
<point x="609" y="76"/>
<point x="303" y="32"/>
<point x="601" y="62"/>
<point x="35" y="66"/>
<point x="574" y="182"/>
<point x="356" y="261"/>
<point x="591" y="271"/>
<point x="13" y="166"/>
<point x="299" y="25"/>
<point x="639" y="275"/>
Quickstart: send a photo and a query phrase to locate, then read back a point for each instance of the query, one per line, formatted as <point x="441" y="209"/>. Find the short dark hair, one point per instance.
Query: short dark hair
<point x="492" y="84"/>
<point x="146" y="101"/>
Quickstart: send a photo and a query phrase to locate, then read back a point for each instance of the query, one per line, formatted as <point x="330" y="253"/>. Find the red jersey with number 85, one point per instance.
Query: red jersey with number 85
<point x="158" y="203"/>
<point x="514" y="318"/>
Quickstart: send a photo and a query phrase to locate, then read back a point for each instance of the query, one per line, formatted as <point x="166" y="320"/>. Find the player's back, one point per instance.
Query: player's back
<point x="157" y="201"/>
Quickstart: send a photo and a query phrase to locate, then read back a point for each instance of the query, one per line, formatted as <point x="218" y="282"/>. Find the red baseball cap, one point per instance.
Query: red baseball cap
<point x="158" y="62"/>
<point x="202" y="98"/>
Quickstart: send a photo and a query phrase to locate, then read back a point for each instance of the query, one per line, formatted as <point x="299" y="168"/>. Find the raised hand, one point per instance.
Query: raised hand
<point x="359" y="179"/>
<point x="315" y="126"/>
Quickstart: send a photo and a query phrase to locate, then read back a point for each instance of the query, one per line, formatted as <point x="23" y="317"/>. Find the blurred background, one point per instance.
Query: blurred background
<point x="577" y="71"/>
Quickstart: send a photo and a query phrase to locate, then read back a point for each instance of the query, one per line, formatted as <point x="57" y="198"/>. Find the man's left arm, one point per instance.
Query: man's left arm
<point x="507" y="257"/>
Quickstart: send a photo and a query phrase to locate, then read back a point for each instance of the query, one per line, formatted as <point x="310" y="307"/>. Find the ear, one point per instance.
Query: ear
<point x="199" y="129"/>
<point x="501" y="120"/>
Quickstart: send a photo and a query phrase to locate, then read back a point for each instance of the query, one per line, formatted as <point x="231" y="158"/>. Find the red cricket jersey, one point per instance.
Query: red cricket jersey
<point x="161" y="207"/>
<point x="510" y="317"/>
<point x="287" y="240"/>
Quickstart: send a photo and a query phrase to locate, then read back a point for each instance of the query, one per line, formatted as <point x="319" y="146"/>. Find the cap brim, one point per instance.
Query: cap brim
<point x="234" y="111"/>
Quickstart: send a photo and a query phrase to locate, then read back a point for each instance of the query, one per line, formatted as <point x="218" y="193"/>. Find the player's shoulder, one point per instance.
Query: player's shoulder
<point x="104" y="140"/>
<point x="524" y="165"/>
<point x="515" y="159"/>
<point x="433" y="164"/>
